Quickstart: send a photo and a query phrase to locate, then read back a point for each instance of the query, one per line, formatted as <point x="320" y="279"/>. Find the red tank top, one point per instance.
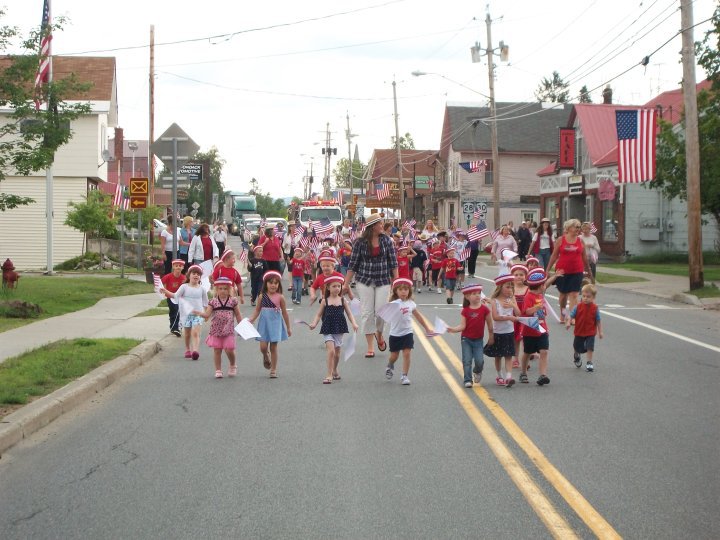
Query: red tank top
<point x="570" y="256"/>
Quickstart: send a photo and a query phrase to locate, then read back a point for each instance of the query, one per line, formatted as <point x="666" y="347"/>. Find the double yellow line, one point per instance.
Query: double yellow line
<point x="556" y="524"/>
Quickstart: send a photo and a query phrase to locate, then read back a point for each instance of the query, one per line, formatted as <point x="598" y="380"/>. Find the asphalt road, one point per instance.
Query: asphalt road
<point x="170" y="452"/>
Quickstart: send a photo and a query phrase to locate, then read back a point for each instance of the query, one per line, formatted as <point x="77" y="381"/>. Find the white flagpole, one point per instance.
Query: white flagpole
<point x="49" y="172"/>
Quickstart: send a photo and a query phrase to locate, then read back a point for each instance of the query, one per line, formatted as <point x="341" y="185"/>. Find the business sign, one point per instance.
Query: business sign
<point x="566" y="148"/>
<point x="193" y="171"/>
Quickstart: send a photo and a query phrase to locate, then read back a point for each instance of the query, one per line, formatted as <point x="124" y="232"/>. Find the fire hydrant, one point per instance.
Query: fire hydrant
<point x="9" y="276"/>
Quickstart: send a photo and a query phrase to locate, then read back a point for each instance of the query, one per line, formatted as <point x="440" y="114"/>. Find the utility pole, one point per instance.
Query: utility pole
<point x="401" y="189"/>
<point x="151" y="111"/>
<point x="692" y="148"/>
<point x="327" y="151"/>
<point x="493" y="126"/>
<point x="350" y="163"/>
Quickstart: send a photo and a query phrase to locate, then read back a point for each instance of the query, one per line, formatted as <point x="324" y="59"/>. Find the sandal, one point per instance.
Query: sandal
<point x="218" y="374"/>
<point x="266" y="360"/>
<point x="336" y="377"/>
<point x="380" y="342"/>
<point x="232" y="371"/>
<point x="327" y="380"/>
<point x="370" y="354"/>
<point x="273" y="374"/>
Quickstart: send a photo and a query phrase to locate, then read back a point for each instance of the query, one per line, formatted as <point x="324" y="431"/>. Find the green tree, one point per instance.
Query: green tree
<point x="92" y="217"/>
<point x="585" y="95"/>
<point x="553" y="90"/>
<point x="341" y="173"/>
<point x="30" y="137"/>
<point x="406" y="142"/>
<point x="671" y="173"/>
<point x="267" y="207"/>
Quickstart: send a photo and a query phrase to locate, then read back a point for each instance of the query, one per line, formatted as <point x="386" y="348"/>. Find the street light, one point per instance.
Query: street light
<point x="133" y="146"/>
<point x="401" y="188"/>
<point x="418" y="73"/>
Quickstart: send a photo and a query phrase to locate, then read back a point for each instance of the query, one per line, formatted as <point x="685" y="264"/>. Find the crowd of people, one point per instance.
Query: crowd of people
<point x="385" y="265"/>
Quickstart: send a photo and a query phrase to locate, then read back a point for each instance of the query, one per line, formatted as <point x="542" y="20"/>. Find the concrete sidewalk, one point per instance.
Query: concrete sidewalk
<point x="109" y="318"/>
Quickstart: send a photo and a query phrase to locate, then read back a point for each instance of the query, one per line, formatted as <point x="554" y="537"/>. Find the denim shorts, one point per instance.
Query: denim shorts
<point x="583" y="344"/>
<point x="450" y="283"/>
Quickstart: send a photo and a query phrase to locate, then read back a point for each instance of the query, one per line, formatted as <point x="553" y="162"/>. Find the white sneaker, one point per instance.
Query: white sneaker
<point x="404" y="380"/>
<point x="389" y="373"/>
<point x="468" y="384"/>
<point x="439" y="291"/>
<point x="477" y="377"/>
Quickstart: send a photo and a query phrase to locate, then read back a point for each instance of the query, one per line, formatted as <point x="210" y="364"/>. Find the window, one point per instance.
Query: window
<point x="550" y="209"/>
<point x="451" y="211"/>
<point x="489" y="173"/>
<point x="609" y="222"/>
<point x="589" y="208"/>
<point x="529" y="216"/>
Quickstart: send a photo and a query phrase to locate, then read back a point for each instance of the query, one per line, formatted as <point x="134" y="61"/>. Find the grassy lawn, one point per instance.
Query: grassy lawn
<point x="57" y="295"/>
<point x="604" y="279"/>
<point x="711" y="272"/>
<point x="41" y="371"/>
<point x="160" y="309"/>
<point x="706" y="292"/>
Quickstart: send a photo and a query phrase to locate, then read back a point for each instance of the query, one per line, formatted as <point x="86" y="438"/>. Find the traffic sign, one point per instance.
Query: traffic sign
<point x="163" y="146"/>
<point x="139" y="187"/>
<point x="470" y="207"/>
<point x="195" y="205"/>
<point x="138" y="202"/>
<point x="166" y="182"/>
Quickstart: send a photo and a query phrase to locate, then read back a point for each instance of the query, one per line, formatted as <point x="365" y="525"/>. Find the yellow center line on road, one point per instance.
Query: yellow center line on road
<point x="543" y="507"/>
<point x="567" y="491"/>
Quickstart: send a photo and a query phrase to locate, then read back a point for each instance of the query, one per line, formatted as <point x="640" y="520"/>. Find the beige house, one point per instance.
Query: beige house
<point x="79" y="166"/>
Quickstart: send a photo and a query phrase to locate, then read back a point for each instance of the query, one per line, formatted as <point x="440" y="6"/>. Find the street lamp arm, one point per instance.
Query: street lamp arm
<point x="418" y="73"/>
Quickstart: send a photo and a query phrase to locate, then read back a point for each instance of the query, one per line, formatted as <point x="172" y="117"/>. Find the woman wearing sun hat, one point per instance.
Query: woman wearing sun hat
<point x="373" y="265"/>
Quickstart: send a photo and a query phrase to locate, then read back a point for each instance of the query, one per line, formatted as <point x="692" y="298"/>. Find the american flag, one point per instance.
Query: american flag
<point x="243" y="257"/>
<point x="464" y="254"/>
<point x="299" y="232"/>
<point x="474" y="166"/>
<point x="382" y="191"/>
<point x="314" y="243"/>
<point x="593" y="228"/>
<point x="495" y="234"/>
<point x="636" y="132"/>
<point x="305" y="242"/>
<point x="120" y="199"/>
<point x="262" y="224"/>
<point x="353" y="235"/>
<point x="157" y="282"/>
<point x="322" y="227"/>
<point x="476" y="214"/>
<point x="43" y="73"/>
<point x="338" y="197"/>
<point x="477" y="232"/>
<point x="410" y="223"/>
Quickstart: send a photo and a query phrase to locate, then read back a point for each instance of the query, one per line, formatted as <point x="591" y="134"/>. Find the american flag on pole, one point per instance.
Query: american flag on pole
<point x="243" y="257"/>
<point x="464" y="254"/>
<point x="476" y="214"/>
<point x="44" y="67"/>
<point x="322" y="227"/>
<point x="410" y="223"/>
<point x="477" y="232"/>
<point x="382" y="191"/>
<point x="338" y="197"/>
<point x="120" y="199"/>
<point x="299" y="232"/>
<point x="593" y="228"/>
<point x="474" y="166"/>
<point x="637" y="133"/>
<point x="305" y="242"/>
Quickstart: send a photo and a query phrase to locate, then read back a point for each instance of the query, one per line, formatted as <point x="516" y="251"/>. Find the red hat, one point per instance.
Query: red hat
<point x="272" y="274"/>
<point x="178" y="261"/>
<point x="402" y="281"/>
<point x="195" y="267"/>
<point x="504" y="279"/>
<point x="537" y="276"/>
<point x="533" y="259"/>
<point x="518" y="267"/>
<point x="227" y="252"/>
<point x="334" y="279"/>
<point x="329" y="258"/>
<point x="222" y="280"/>
<point x="473" y="287"/>
<point x="256" y="248"/>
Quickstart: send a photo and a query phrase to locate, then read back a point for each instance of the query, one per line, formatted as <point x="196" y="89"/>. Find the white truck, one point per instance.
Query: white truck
<point x="316" y="210"/>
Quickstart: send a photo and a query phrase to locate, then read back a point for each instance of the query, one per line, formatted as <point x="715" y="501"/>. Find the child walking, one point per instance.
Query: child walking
<point x="474" y="317"/>
<point x="172" y="282"/>
<point x="191" y="298"/>
<point x="334" y="325"/>
<point x="535" y="341"/>
<point x="505" y="312"/>
<point x="257" y="267"/>
<point x="226" y="268"/>
<point x="587" y="324"/>
<point x="519" y="272"/>
<point x="274" y="323"/>
<point x="401" y="333"/>
<point x="449" y="269"/>
<point x="225" y="314"/>
<point x="417" y="265"/>
<point x="297" y="270"/>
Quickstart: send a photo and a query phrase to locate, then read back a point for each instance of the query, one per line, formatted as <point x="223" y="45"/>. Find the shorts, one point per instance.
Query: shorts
<point x="417" y="274"/>
<point x="337" y="339"/>
<point x="461" y="268"/>
<point x="583" y="344"/>
<point x="569" y="283"/>
<point x="535" y="344"/>
<point x="400" y="343"/>
<point x="193" y="320"/>
<point x="435" y="274"/>
<point x="450" y="283"/>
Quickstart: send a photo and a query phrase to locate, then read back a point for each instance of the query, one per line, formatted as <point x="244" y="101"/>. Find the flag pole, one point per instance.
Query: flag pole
<point x="49" y="171"/>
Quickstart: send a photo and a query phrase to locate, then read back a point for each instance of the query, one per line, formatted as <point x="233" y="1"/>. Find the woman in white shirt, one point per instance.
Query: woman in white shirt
<point x="167" y="239"/>
<point x="592" y="247"/>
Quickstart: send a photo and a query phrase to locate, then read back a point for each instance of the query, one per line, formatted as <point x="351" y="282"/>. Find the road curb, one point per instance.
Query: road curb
<point x="25" y="421"/>
<point x="687" y="299"/>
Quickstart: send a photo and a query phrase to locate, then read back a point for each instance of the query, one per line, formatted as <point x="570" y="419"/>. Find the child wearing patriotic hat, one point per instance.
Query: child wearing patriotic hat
<point x="327" y="266"/>
<point x="474" y="317"/>
<point x="191" y="298"/>
<point x="401" y="331"/>
<point x="171" y="282"/>
<point x="332" y="312"/>
<point x="273" y="320"/>
<point x="535" y="341"/>
<point x="505" y="312"/>
<point x="226" y="268"/>
<point x="224" y="310"/>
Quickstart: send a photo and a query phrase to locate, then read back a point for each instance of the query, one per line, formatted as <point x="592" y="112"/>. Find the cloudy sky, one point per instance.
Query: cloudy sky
<point x="261" y="81"/>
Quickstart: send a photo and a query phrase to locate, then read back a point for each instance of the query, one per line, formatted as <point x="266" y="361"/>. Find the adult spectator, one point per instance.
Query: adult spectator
<point x="542" y="244"/>
<point x="569" y="257"/>
<point x="592" y="247"/>
<point x="430" y="229"/>
<point x="167" y="238"/>
<point x="346" y="227"/>
<point x="511" y="229"/>
<point x="203" y="246"/>
<point x="272" y="249"/>
<point x="504" y="240"/>
<point x="472" y="259"/>
<point x="523" y="239"/>
<point x="373" y="265"/>
<point x="186" y="236"/>
<point x="220" y="236"/>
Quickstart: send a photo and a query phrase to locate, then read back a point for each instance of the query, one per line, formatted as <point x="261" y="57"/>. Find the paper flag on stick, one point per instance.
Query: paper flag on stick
<point x="355" y="307"/>
<point x="158" y="285"/>
<point x="550" y="310"/>
<point x="508" y="255"/>
<point x="349" y="343"/>
<point x="246" y="330"/>
<point x="389" y="312"/>
<point x="532" y="322"/>
<point x="440" y="326"/>
<point x="303" y="322"/>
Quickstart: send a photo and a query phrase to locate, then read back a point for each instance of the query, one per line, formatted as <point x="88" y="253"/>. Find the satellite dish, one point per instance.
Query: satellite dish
<point x="106" y="155"/>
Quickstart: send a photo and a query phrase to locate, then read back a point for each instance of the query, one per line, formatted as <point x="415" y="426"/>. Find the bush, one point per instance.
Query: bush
<point x="17" y="309"/>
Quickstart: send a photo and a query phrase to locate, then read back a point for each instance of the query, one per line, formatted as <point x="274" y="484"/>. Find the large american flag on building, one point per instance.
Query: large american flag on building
<point x="382" y="191"/>
<point x="636" y="132"/>
<point x="43" y="73"/>
<point x="477" y="232"/>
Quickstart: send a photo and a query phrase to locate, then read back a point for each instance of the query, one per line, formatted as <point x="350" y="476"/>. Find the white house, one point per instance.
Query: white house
<point x="79" y="167"/>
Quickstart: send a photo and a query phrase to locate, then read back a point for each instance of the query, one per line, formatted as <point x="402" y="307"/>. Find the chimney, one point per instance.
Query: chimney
<point x="607" y="95"/>
<point x="118" y="150"/>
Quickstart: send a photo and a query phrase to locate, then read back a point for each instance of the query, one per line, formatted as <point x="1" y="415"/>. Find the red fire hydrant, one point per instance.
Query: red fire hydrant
<point x="10" y="276"/>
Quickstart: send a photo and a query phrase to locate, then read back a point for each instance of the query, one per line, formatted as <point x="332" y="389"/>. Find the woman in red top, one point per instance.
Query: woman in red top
<point x="272" y="249"/>
<point x="203" y="246"/>
<point x="569" y="254"/>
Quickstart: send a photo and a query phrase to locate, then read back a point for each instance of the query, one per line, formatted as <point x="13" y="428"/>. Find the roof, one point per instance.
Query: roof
<point x="528" y="128"/>
<point x="670" y="104"/>
<point x="99" y="71"/>
<point x="549" y="169"/>
<point x="418" y="161"/>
